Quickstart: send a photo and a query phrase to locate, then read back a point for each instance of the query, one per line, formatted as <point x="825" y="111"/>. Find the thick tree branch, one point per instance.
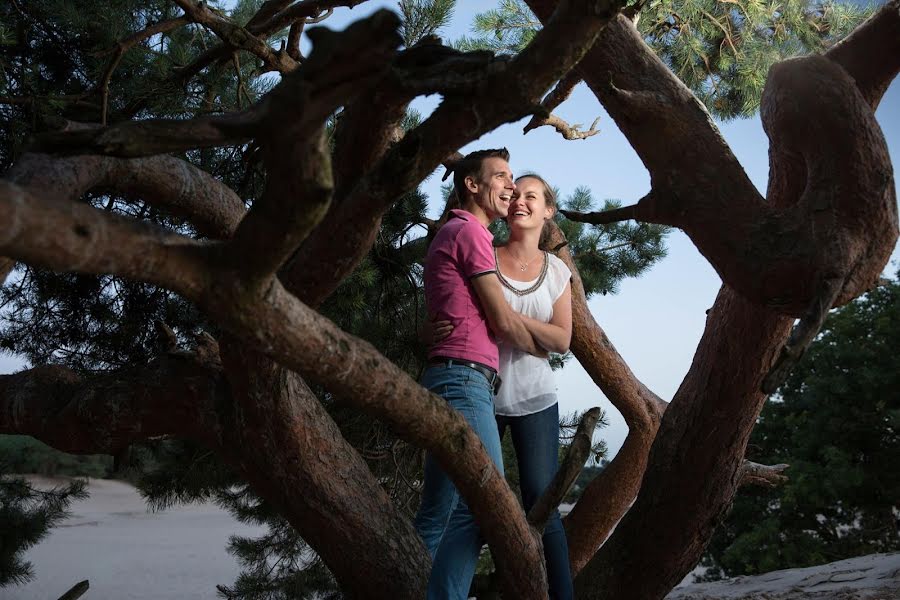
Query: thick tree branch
<point x="297" y="195"/>
<point x="806" y="247"/>
<point x="281" y="443"/>
<point x="800" y="213"/>
<point x="180" y="188"/>
<point x="67" y="236"/>
<point x="104" y="413"/>
<point x="298" y="160"/>
<point x="285" y="441"/>
<point x="871" y="54"/>
<point x="696" y="459"/>
<point x="134" y="139"/>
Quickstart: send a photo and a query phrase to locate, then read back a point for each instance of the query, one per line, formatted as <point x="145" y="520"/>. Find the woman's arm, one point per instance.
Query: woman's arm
<point x="556" y="335"/>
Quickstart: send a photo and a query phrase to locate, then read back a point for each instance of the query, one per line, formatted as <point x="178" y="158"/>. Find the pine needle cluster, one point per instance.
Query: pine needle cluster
<point x="721" y="49"/>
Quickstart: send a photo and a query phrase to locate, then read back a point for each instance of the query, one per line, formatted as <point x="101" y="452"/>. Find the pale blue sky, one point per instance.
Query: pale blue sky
<point x="655" y="321"/>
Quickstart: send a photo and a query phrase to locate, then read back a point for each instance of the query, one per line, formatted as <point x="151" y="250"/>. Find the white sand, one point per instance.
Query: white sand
<point x="874" y="577"/>
<point x="128" y="553"/>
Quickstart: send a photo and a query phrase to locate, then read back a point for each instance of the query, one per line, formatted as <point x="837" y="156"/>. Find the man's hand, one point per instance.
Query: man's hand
<point x="432" y="332"/>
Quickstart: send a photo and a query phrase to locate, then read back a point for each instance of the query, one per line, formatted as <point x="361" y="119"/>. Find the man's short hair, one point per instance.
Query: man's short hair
<point x="470" y="166"/>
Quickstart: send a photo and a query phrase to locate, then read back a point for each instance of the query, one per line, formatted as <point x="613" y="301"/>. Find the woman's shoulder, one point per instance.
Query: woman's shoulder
<point x="559" y="266"/>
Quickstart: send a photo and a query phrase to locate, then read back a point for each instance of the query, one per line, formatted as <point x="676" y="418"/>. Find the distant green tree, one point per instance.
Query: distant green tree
<point x="836" y="421"/>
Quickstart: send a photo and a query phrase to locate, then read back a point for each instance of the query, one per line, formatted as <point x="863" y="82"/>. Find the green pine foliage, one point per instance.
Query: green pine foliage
<point x="27" y="514"/>
<point x="721" y="49"/>
<point x="836" y="421"/>
<point x="607" y="254"/>
<point x="422" y="18"/>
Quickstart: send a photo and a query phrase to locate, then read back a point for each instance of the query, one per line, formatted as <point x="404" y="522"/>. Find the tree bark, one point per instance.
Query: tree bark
<point x="695" y="465"/>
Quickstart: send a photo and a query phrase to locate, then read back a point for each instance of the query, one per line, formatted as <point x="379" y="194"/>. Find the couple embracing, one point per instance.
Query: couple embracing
<point x="495" y="313"/>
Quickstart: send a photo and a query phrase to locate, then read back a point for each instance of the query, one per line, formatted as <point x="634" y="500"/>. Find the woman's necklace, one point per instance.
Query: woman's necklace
<point x="523" y="266"/>
<point x="514" y="289"/>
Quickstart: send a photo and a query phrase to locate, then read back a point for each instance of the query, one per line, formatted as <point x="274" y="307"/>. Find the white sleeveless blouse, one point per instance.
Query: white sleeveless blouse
<point x="529" y="385"/>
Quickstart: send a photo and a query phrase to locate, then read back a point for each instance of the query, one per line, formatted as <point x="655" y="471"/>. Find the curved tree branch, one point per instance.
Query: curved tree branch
<point x="878" y="37"/>
<point x="275" y="323"/>
<point x="695" y="463"/>
<point x="177" y="186"/>
<point x="701" y="187"/>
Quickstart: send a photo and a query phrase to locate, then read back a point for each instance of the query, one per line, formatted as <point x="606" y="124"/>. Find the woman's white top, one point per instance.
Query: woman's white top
<point x="529" y="385"/>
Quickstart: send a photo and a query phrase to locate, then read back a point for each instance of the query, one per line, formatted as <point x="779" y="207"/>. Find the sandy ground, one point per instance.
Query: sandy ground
<point x="128" y="553"/>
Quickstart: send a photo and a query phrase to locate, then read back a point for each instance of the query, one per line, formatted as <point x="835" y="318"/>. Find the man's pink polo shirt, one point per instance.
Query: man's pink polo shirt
<point x="461" y="250"/>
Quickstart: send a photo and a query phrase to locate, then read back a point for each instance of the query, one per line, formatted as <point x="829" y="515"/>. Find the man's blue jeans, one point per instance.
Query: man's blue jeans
<point x="536" y="440"/>
<point x="444" y="521"/>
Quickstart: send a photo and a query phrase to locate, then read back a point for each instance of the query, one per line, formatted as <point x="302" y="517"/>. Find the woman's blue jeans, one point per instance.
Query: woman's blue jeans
<point x="444" y="521"/>
<point x="536" y="440"/>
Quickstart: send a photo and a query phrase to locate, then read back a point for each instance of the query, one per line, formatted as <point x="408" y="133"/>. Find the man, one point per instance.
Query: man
<point x="461" y="286"/>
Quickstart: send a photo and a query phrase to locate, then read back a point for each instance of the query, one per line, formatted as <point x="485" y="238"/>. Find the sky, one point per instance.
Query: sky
<point x="655" y="321"/>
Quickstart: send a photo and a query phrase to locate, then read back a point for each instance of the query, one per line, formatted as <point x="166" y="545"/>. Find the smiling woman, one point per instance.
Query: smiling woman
<point x="536" y="286"/>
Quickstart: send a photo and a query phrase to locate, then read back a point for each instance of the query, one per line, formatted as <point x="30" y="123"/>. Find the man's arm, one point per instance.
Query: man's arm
<point x="503" y="320"/>
<point x="556" y="335"/>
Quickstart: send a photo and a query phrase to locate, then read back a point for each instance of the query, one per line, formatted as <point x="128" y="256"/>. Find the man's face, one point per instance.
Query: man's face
<point x="493" y="188"/>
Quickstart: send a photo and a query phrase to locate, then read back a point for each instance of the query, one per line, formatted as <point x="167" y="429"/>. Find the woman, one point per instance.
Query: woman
<point x="536" y="285"/>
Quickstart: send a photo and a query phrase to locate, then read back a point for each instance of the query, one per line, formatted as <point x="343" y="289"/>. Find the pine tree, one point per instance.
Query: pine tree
<point x="61" y="62"/>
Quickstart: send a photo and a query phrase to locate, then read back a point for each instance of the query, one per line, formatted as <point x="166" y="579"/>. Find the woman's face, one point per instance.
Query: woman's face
<point x="528" y="208"/>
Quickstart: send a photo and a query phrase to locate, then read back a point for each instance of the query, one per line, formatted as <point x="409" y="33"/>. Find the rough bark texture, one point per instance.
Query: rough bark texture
<point x="293" y="454"/>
